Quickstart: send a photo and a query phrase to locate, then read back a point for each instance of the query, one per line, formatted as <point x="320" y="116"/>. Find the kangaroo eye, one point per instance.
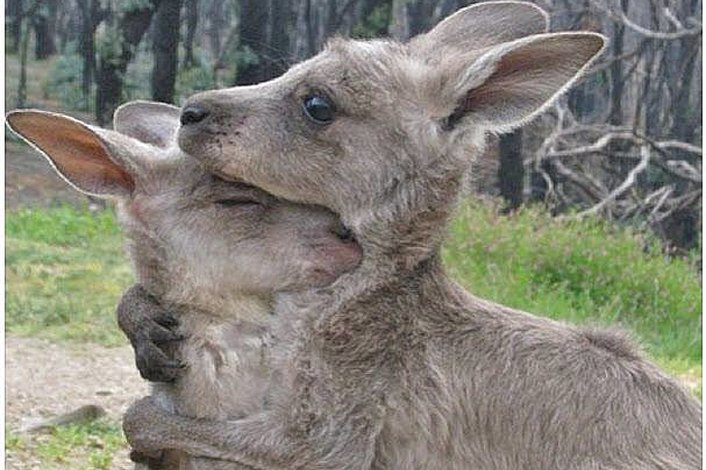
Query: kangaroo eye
<point x="319" y="109"/>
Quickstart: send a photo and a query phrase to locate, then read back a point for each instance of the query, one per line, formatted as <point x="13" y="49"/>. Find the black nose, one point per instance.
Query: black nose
<point x="192" y="114"/>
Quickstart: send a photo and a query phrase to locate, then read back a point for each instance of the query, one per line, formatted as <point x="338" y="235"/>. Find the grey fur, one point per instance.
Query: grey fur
<point x="394" y="366"/>
<point x="214" y="266"/>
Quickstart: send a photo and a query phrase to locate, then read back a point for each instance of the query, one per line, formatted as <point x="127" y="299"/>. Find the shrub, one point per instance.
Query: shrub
<point x="64" y="81"/>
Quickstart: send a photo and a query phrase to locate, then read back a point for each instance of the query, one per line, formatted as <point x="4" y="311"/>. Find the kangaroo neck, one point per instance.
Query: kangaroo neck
<point x="375" y="284"/>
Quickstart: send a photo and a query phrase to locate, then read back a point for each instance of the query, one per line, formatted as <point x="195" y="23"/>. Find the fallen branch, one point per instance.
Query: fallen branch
<point x="629" y="181"/>
<point x="606" y="139"/>
<point x="618" y="14"/>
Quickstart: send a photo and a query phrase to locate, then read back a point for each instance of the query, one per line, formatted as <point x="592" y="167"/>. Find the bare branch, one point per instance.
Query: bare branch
<point x="677" y="144"/>
<point x="663" y="198"/>
<point x="627" y="184"/>
<point x="619" y="15"/>
<point x="603" y="142"/>
<point x="673" y="19"/>
<point x="579" y="180"/>
<point x="679" y="203"/>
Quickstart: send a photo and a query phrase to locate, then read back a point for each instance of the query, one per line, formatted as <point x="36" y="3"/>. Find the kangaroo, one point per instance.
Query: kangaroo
<point x="212" y="251"/>
<point x="393" y="365"/>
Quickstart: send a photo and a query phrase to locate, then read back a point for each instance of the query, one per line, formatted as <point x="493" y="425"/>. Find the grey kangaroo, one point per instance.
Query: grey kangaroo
<point x="394" y="366"/>
<point x="213" y="252"/>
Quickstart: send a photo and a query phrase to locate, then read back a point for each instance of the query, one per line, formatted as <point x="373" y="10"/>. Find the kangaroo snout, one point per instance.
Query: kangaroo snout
<point x="205" y="111"/>
<point x="241" y="121"/>
<point x="216" y="110"/>
<point x="193" y="114"/>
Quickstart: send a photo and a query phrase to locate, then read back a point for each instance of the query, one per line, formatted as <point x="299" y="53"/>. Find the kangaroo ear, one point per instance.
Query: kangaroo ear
<point x="148" y="121"/>
<point x="510" y="83"/>
<point x="482" y="25"/>
<point x="94" y="161"/>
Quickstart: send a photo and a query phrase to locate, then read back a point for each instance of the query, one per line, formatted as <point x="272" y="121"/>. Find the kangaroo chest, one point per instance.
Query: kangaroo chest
<point x="226" y="369"/>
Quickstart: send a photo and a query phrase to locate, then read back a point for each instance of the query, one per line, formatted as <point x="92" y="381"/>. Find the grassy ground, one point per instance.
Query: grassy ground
<point x="65" y="271"/>
<point x="77" y="446"/>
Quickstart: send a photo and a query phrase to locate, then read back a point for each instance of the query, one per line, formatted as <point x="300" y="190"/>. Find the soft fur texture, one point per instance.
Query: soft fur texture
<point x="214" y="265"/>
<point x="394" y="366"/>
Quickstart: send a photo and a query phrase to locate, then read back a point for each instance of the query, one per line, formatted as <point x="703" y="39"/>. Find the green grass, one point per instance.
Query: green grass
<point x="65" y="271"/>
<point x="587" y="272"/>
<point x="79" y="446"/>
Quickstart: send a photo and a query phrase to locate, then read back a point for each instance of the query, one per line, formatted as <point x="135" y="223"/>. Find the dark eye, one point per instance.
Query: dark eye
<point x="319" y="109"/>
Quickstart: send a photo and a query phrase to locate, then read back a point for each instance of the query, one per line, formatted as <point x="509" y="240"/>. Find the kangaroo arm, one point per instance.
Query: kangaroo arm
<point x="260" y="441"/>
<point x="152" y="331"/>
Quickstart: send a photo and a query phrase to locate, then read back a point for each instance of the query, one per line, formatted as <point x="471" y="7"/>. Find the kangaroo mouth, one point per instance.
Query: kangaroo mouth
<point x="241" y="194"/>
<point x="245" y="195"/>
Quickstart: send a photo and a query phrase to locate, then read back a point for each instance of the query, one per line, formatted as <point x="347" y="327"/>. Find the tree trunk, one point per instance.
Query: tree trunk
<point x="90" y="19"/>
<point x="13" y="10"/>
<point x="43" y="27"/>
<point x="278" y="59"/>
<point x="411" y="17"/>
<point x="192" y="19"/>
<point x="67" y="25"/>
<point x="304" y="34"/>
<point x="131" y="27"/>
<point x="164" y="45"/>
<point x="109" y="90"/>
<point x="252" y="31"/>
<point x="24" y="49"/>
<point x="690" y="113"/>
<point x="616" y="72"/>
<point x="216" y="22"/>
<point x="511" y="173"/>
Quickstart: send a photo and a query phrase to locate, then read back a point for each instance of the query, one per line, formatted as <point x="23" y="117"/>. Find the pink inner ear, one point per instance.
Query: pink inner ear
<point x="77" y="153"/>
<point x="511" y="77"/>
<point x="527" y="77"/>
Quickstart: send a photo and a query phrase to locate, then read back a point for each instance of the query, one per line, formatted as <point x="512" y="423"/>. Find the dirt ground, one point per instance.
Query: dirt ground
<point x="30" y="181"/>
<point x="43" y="379"/>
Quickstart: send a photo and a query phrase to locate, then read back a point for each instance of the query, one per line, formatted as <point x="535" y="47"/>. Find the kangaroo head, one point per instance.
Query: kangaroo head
<point x="381" y="132"/>
<point x="195" y="238"/>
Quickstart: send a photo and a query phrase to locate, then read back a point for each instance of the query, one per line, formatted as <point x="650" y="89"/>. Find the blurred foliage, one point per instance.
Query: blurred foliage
<point x="64" y="81"/>
<point x="192" y="80"/>
<point x="374" y="24"/>
<point x="138" y="78"/>
<point x="125" y="6"/>
<point x="108" y="44"/>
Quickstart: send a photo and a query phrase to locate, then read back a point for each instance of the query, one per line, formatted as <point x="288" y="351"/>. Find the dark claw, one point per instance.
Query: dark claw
<point x="150" y="461"/>
<point x="166" y="320"/>
<point x="155" y="366"/>
<point x="152" y="331"/>
<point x="159" y="334"/>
